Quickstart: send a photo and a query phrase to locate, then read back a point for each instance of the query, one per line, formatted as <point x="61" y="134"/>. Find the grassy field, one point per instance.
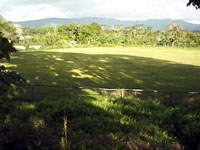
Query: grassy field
<point x="161" y="68"/>
<point x="97" y="121"/>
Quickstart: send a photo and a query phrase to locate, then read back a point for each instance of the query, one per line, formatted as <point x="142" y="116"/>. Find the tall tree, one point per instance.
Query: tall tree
<point x="195" y="3"/>
<point x="9" y="29"/>
<point x="9" y="81"/>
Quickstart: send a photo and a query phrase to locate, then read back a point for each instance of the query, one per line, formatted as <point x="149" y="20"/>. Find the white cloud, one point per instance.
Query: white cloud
<point x="34" y="12"/>
<point x="194" y="21"/>
<point x="121" y="9"/>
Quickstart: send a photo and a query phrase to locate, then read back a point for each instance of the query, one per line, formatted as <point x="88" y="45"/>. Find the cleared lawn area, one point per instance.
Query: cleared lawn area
<point x="139" y="67"/>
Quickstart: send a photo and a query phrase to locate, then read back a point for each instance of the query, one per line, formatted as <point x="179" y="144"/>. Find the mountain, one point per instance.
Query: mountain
<point x="156" y="24"/>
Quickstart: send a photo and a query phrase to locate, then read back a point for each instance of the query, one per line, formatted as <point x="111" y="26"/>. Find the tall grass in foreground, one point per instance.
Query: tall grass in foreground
<point x="101" y="124"/>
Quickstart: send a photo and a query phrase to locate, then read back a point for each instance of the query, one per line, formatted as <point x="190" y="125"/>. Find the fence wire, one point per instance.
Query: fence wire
<point x="56" y="92"/>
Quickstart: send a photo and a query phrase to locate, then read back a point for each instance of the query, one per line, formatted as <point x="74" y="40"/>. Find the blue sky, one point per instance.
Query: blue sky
<point x="21" y="10"/>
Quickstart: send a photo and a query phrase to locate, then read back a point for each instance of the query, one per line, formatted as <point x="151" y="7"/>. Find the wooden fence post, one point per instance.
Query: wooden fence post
<point x="135" y="93"/>
<point x="122" y="93"/>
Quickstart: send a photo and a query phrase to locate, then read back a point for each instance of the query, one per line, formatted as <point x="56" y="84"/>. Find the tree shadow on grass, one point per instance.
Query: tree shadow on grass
<point x="92" y="124"/>
<point x="40" y="126"/>
<point x="154" y="119"/>
<point x="111" y="71"/>
<point x="88" y="117"/>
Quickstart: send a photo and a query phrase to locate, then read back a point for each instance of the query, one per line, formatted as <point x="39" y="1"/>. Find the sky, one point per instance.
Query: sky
<point x="23" y="10"/>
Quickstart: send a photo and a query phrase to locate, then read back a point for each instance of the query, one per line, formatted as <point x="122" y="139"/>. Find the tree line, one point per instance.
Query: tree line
<point x="74" y="35"/>
<point x="96" y="35"/>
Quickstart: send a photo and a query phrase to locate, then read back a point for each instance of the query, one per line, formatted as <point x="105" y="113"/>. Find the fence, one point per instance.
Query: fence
<point x="57" y="92"/>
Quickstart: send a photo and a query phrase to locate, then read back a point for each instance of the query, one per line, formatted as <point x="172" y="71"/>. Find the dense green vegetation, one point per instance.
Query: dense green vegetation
<point x="100" y="124"/>
<point x="9" y="30"/>
<point x="8" y="79"/>
<point x="96" y="35"/>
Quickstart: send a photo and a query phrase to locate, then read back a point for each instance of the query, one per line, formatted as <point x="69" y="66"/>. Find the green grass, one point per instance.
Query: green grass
<point x="101" y="121"/>
<point x="141" y="67"/>
<point x="100" y="124"/>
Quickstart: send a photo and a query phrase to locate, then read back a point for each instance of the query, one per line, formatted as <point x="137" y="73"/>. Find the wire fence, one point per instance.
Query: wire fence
<point x="61" y="92"/>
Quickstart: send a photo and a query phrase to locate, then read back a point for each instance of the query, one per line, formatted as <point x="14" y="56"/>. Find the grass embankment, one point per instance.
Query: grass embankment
<point x="104" y="122"/>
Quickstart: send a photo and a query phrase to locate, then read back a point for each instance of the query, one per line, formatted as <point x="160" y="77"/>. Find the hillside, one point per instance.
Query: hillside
<point x="9" y="29"/>
<point x="156" y="24"/>
<point x="2" y="19"/>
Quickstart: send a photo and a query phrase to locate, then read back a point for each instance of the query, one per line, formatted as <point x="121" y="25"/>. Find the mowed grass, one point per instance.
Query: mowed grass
<point x="176" y="69"/>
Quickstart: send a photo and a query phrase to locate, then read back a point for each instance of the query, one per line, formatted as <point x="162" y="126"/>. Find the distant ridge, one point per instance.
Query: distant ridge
<point x="156" y="24"/>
